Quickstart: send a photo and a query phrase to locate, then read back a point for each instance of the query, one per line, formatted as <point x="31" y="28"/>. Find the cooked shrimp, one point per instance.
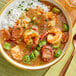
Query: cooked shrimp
<point x="17" y="53"/>
<point x="52" y="17"/>
<point x="31" y="36"/>
<point x="54" y="35"/>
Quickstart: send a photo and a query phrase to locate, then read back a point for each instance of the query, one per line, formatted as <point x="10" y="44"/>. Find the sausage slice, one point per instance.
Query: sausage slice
<point x="65" y="37"/>
<point x="17" y="32"/>
<point x="46" y="53"/>
<point x="4" y="34"/>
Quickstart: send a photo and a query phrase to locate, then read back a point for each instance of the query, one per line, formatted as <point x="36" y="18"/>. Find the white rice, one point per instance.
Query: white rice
<point x="10" y="19"/>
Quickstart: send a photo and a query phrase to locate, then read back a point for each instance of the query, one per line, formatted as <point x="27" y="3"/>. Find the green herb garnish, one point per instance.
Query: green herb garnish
<point x="32" y="57"/>
<point x="23" y="27"/>
<point x="35" y="23"/>
<point x="32" y="21"/>
<point x="30" y="4"/>
<point x="46" y="20"/>
<point x="20" y="6"/>
<point x="25" y="9"/>
<point x="18" y="28"/>
<point x="39" y="0"/>
<point x="21" y="9"/>
<point x="26" y="59"/>
<point x="7" y="46"/>
<point x="9" y="12"/>
<point x="11" y="9"/>
<point x="23" y="1"/>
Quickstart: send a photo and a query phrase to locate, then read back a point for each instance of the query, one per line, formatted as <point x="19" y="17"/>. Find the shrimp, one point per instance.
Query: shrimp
<point x="17" y="53"/>
<point x="30" y="37"/>
<point x="52" y="17"/>
<point x="54" y="35"/>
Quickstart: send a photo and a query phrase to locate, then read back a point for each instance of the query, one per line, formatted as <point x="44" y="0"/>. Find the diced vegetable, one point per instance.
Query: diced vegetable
<point x="33" y="18"/>
<point x="41" y="43"/>
<point x="32" y="57"/>
<point x="7" y="46"/>
<point x="30" y="4"/>
<point x="56" y="10"/>
<point x="26" y="59"/>
<point x="66" y="27"/>
<point x="36" y="53"/>
<point x="58" y="52"/>
<point x="21" y="9"/>
<point x="25" y="9"/>
<point x="9" y="12"/>
<point x="39" y="0"/>
<point x="56" y="46"/>
<point x="46" y="20"/>
<point x="38" y="48"/>
<point x="35" y="23"/>
<point x="23" y="1"/>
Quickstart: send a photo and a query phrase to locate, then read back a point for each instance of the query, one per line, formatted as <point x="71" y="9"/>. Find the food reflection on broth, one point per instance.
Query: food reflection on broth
<point x="37" y="37"/>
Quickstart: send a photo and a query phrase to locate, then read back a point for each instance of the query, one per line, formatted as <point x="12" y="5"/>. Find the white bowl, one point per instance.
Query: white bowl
<point x="48" y="64"/>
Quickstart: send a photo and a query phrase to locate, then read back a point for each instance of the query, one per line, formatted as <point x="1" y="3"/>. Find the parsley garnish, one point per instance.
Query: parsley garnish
<point x="9" y="12"/>
<point x="25" y="9"/>
<point x="23" y="1"/>
<point x="39" y="0"/>
<point x="23" y="27"/>
<point x="30" y="4"/>
<point x="18" y="28"/>
<point x="46" y="20"/>
<point x="35" y="23"/>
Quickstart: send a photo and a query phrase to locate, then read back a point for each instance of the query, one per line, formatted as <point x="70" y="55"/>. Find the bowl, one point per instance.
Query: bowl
<point x="55" y="2"/>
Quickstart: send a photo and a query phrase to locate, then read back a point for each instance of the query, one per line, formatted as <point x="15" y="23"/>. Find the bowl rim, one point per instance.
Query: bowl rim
<point x="46" y="65"/>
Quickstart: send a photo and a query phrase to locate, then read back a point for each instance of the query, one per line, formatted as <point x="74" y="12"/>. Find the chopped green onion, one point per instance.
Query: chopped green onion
<point x="26" y="59"/>
<point x="56" y="10"/>
<point x="66" y="27"/>
<point x="56" y="46"/>
<point x="31" y="21"/>
<point x="25" y="9"/>
<point x="41" y="43"/>
<point x="30" y="4"/>
<point x="23" y="27"/>
<point x="36" y="53"/>
<point x="35" y="23"/>
<point x="32" y="57"/>
<point x="21" y="9"/>
<point x="27" y="47"/>
<point x="58" y="52"/>
<point x="20" y="6"/>
<point x="9" y="12"/>
<point x="40" y="63"/>
<point x="46" y="20"/>
<point x="39" y="0"/>
<point x="18" y="28"/>
<point x="23" y="1"/>
<point x="11" y="9"/>
<point x="7" y="46"/>
<point x="38" y="48"/>
<point x="34" y="18"/>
